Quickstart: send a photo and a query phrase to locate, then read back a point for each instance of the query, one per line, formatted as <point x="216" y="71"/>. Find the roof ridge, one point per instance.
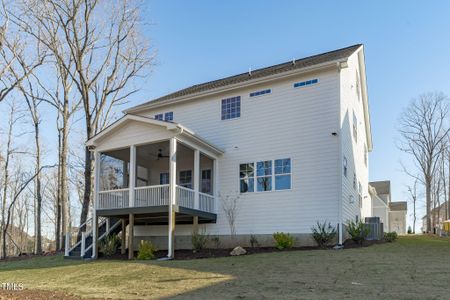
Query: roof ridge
<point x="258" y="73"/>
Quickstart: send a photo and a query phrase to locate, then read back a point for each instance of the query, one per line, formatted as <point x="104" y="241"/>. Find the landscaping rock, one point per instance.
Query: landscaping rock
<point x="238" y="251"/>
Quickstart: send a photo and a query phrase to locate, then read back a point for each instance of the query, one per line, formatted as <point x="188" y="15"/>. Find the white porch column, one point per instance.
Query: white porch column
<point x="172" y="196"/>
<point x="95" y="206"/>
<point x="216" y="182"/>
<point x="196" y="178"/>
<point x="132" y="182"/>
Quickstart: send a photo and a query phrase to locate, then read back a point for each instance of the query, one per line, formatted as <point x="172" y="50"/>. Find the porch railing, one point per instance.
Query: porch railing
<point x="206" y="202"/>
<point x="185" y="197"/>
<point x="155" y="195"/>
<point x="113" y="199"/>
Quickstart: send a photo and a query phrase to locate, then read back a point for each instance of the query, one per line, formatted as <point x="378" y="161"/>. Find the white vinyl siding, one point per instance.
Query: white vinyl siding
<point x="289" y="122"/>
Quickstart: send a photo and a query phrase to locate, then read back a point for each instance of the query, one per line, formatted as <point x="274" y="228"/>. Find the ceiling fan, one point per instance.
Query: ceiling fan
<point x="160" y="155"/>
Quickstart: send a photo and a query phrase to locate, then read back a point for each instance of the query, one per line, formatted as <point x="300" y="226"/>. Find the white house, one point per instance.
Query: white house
<point x="289" y="141"/>
<point x="391" y="213"/>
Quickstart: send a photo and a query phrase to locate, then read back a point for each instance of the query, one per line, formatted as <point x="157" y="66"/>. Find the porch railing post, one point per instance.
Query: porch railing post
<point x="132" y="182"/>
<point x="172" y="196"/>
<point x="67" y="244"/>
<point x="216" y="183"/>
<point x="196" y="178"/>
<point x="83" y="244"/>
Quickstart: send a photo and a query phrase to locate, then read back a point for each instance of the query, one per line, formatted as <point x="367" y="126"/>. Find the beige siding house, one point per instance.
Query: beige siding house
<point x="290" y="142"/>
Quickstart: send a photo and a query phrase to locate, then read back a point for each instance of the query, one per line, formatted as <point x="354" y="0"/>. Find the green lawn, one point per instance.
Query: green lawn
<point x="414" y="267"/>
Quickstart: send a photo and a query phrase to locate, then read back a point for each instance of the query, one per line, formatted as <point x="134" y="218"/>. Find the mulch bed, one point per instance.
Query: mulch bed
<point x="212" y="253"/>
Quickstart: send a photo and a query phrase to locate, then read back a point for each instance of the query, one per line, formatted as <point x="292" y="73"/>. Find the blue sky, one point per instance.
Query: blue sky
<point x="407" y="52"/>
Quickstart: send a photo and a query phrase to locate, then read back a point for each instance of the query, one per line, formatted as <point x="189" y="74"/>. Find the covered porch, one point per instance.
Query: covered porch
<point x="168" y="181"/>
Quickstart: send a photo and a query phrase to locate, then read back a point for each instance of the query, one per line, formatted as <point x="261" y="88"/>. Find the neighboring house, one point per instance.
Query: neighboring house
<point x="291" y="141"/>
<point x="391" y="214"/>
<point x="438" y="216"/>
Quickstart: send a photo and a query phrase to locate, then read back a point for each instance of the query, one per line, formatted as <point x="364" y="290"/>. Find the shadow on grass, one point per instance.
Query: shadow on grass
<point x="39" y="262"/>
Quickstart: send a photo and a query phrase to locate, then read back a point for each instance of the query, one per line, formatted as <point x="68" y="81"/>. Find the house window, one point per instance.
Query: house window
<point x="206" y="181"/>
<point x="264" y="176"/>
<point x="345" y="166"/>
<point x="360" y="194"/>
<point x="259" y="93"/>
<point x="247" y="177"/>
<point x="168" y="116"/>
<point x="355" y="127"/>
<point x="231" y="108"/>
<point x="283" y="174"/>
<point x="305" y="83"/>
<point x="164" y="178"/>
<point x="159" y="117"/>
<point x="354" y="181"/>
<point x="186" y="179"/>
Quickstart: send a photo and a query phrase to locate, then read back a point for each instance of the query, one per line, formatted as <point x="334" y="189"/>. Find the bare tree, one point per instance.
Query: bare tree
<point x="412" y="191"/>
<point x="423" y="129"/>
<point x="108" y="52"/>
<point x="230" y="206"/>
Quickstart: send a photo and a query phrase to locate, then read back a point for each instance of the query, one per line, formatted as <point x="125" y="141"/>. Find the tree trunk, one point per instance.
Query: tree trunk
<point x="58" y="198"/>
<point x="38" y="195"/>
<point x="428" y="201"/>
<point x="87" y="188"/>
<point x="65" y="205"/>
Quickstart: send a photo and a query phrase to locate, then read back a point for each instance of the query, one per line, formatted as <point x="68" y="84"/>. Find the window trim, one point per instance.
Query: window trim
<point x="240" y="108"/>
<point x="255" y="189"/>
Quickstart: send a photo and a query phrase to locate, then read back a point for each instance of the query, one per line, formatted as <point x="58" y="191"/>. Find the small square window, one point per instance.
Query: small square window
<point x="168" y="116"/>
<point x="231" y="108"/>
<point x="159" y="117"/>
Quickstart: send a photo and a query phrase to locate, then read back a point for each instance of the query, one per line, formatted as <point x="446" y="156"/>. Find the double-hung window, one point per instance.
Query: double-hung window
<point x="247" y="177"/>
<point x="283" y="174"/>
<point x="186" y="179"/>
<point x="264" y="176"/>
<point x="164" y="178"/>
<point x="231" y="108"/>
<point x="206" y="181"/>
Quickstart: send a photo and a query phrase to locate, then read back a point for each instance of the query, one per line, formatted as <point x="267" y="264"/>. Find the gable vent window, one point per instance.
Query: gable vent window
<point x="305" y="83"/>
<point x="159" y="117"/>
<point x="231" y="108"/>
<point x="259" y="93"/>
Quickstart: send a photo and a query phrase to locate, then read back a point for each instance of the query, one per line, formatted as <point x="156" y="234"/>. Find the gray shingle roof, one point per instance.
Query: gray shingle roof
<point x="382" y="187"/>
<point x="259" y="73"/>
<point x="398" y="206"/>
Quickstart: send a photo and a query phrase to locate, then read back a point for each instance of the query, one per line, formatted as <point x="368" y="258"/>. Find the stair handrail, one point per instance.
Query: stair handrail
<point x="70" y="249"/>
<point x="105" y="233"/>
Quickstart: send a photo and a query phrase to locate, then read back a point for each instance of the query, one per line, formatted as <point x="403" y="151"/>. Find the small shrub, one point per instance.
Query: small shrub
<point x="254" y="241"/>
<point x="216" y="241"/>
<point x="199" y="240"/>
<point x="358" y="232"/>
<point x="109" y="245"/>
<point x="323" y="233"/>
<point x="409" y="230"/>
<point x="283" y="240"/>
<point x="146" y="250"/>
<point x="390" y="236"/>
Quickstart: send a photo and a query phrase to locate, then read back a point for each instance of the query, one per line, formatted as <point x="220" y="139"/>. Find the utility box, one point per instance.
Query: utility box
<point x="375" y="228"/>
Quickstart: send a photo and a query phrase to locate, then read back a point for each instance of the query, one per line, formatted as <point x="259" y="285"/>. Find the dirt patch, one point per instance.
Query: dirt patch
<point x="37" y="295"/>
